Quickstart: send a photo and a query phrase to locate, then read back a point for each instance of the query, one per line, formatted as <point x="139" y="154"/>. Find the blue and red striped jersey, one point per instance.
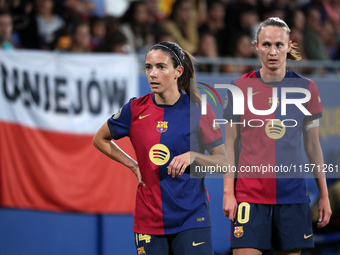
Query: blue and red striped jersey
<point x="272" y="144"/>
<point x="158" y="133"/>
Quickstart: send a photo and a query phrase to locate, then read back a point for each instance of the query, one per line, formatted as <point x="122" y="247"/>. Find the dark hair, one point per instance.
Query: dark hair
<point x="129" y="17"/>
<point x="175" y="7"/>
<point x="294" y="53"/>
<point x="180" y="57"/>
<point x="212" y="3"/>
<point x="112" y="40"/>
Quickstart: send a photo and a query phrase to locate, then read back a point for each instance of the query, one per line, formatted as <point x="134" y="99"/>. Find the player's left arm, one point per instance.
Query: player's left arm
<point x="218" y="156"/>
<point x="314" y="155"/>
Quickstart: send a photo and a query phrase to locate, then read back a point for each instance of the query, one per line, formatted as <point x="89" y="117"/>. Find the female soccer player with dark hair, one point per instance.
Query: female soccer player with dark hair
<point x="172" y="210"/>
<point x="269" y="206"/>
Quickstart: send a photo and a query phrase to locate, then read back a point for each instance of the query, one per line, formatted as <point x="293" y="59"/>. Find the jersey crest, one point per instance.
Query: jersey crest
<point x="162" y="126"/>
<point x="238" y="232"/>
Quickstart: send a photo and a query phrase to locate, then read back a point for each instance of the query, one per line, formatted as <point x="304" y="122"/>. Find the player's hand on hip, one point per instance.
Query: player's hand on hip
<point x="230" y="207"/>
<point x="325" y="212"/>
<point x="136" y="171"/>
<point x="178" y="164"/>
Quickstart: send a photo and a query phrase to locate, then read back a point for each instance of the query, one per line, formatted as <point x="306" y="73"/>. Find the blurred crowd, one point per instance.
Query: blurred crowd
<point x="208" y="28"/>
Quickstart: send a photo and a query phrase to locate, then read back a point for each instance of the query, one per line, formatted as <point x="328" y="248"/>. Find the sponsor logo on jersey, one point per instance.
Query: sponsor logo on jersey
<point x="162" y="126"/>
<point x="270" y="101"/>
<point x="197" y="244"/>
<point x="141" y="251"/>
<point x="275" y="129"/>
<point x="142" y="117"/>
<point x="159" y="154"/>
<point x="116" y="116"/>
<point x="238" y="232"/>
<point x="306" y="237"/>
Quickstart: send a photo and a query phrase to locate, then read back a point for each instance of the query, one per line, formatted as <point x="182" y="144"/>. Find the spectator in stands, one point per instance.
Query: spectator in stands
<point x="273" y="10"/>
<point x="164" y="36"/>
<point x="79" y="40"/>
<point x="3" y="5"/>
<point x="98" y="31"/>
<point x="207" y="48"/>
<point x="234" y="10"/>
<point x="20" y="11"/>
<point x="216" y="26"/>
<point x="182" y="25"/>
<point x="200" y="10"/>
<point x="297" y="23"/>
<point x="314" y="47"/>
<point x="332" y="8"/>
<point x="136" y="27"/>
<point x="43" y="27"/>
<point x="98" y="9"/>
<point x="248" y="20"/>
<point x="78" y="9"/>
<point x="316" y="5"/>
<point x="6" y="28"/>
<point x="49" y="25"/>
<point x="243" y="48"/>
<point x="329" y="40"/>
<point x="115" y="43"/>
<point x="154" y="11"/>
<point x="112" y="24"/>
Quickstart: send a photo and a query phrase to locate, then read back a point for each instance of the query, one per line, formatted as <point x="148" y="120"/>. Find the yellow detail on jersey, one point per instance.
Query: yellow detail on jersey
<point x="159" y="154"/>
<point x="116" y="116"/>
<point x="275" y="129"/>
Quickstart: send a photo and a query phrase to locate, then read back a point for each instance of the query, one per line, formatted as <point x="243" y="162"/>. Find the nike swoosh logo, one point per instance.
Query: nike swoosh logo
<point x="306" y="237"/>
<point x="142" y="117"/>
<point x="196" y="244"/>
<point x="256" y="93"/>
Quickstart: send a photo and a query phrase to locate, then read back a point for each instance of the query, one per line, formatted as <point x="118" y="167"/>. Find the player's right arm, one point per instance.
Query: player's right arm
<point x="231" y="145"/>
<point x="103" y="142"/>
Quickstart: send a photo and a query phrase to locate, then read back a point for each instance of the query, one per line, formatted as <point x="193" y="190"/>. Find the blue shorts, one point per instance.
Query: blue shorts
<point x="189" y="242"/>
<point x="278" y="227"/>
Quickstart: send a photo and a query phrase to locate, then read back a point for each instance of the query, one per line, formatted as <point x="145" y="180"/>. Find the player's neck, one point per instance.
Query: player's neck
<point x="168" y="97"/>
<point x="272" y="75"/>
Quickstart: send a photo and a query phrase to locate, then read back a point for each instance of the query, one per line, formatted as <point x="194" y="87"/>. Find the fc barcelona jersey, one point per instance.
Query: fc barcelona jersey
<point x="158" y="133"/>
<point x="270" y="156"/>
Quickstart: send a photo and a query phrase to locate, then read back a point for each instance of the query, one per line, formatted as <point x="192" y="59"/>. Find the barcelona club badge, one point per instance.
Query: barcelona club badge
<point x="238" y="232"/>
<point x="270" y="101"/>
<point x="162" y="126"/>
<point x="141" y="251"/>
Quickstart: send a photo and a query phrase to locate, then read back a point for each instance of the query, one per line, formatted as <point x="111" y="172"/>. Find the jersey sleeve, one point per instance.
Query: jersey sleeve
<point x="210" y="133"/>
<point x="314" y="105"/>
<point x="228" y="107"/>
<point x="119" y="123"/>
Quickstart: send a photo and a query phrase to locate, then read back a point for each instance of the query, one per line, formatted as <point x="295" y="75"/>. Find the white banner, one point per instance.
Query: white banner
<point x="65" y="92"/>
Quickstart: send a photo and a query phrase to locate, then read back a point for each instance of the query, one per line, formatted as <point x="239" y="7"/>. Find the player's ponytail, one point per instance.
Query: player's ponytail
<point x="187" y="81"/>
<point x="179" y="57"/>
